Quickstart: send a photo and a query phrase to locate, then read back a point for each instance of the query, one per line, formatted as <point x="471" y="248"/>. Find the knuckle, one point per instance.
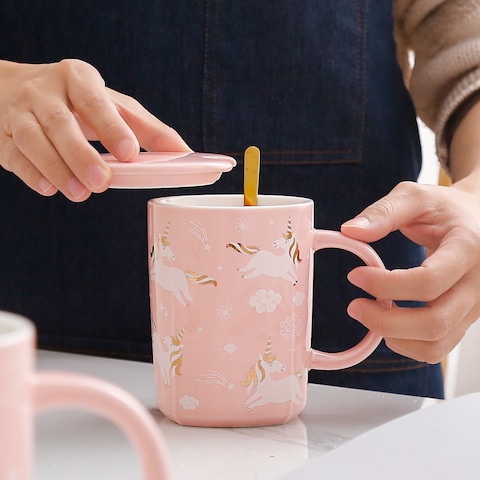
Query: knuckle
<point x="25" y="91"/>
<point x="91" y="100"/>
<point x="470" y="238"/>
<point x="435" y="352"/>
<point x="431" y="290"/>
<point x="70" y="63"/>
<point x="28" y="173"/>
<point x="10" y="159"/>
<point x="432" y="285"/>
<point x="26" y="94"/>
<point x="400" y="194"/>
<point x="84" y="83"/>
<point x="407" y="188"/>
<point x="22" y="131"/>
<point x="52" y="164"/>
<point x="55" y="117"/>
<point x="442" y="323"/>
<point x="79" y="151"/>
<point x="110" y="129"/>
<point x="22" y="167"/>
<point x="75" y="66"/>
<point x="383" y="207"/>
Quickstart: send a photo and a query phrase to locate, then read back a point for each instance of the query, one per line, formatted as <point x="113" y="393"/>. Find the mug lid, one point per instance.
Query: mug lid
<point x="168" y="169"/>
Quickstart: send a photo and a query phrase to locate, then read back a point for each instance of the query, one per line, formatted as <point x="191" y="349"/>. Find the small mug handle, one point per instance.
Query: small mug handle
<point x="60" y="389"/>
<point x="319" y="360"/>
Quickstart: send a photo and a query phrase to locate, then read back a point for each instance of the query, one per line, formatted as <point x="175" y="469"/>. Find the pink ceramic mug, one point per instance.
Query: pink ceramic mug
<point x="231" y="301"/>
<point x="24" y="392"/>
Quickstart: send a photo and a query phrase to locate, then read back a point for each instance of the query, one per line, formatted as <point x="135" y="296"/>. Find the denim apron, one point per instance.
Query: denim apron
<point x="313" y="83"/>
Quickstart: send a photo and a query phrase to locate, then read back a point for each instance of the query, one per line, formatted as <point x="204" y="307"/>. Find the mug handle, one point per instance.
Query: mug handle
<point x="59" y="389"/>
<point x="319" y="360"/>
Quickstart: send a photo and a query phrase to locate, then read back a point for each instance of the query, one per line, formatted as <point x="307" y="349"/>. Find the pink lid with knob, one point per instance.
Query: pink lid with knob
<point x="168" y="169"/>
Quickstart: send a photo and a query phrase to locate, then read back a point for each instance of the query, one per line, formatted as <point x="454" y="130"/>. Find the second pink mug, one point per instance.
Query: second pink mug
<point x="231" y="300"/>
<point x="25" y="392"/>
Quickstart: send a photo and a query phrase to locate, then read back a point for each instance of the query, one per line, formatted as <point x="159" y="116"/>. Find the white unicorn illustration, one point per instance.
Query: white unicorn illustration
<point x="174" y="279"/>
<point x="267" y="390"/>
<point x="267" y="263"/>
<point x="169" y="355"/>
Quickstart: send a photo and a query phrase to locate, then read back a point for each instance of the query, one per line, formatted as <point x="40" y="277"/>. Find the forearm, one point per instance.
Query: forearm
<point x="465" y="152"/>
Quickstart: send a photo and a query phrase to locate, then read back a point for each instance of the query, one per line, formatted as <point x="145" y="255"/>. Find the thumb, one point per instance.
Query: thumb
<point x="362" y="227"/>
<point x="392" y="212"/>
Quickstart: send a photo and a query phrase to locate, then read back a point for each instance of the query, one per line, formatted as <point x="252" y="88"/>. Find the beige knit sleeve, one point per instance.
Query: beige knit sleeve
<point x="444" y="36"/>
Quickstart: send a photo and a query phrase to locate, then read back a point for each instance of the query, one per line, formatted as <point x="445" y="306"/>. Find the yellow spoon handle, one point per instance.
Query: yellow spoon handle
<point x="251" y="175"/>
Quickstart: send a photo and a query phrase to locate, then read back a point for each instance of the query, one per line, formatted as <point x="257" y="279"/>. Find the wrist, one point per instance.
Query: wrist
<point x="465" y="146"/>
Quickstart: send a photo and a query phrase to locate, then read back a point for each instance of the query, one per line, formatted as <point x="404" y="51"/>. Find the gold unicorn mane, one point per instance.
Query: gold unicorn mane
<point x="294" y="252"/>
<point x="177" y="339"/>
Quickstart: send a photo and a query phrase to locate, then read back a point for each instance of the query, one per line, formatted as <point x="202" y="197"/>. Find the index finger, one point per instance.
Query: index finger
<point x="436" y="275"/>
<point x="90" y="100"/>
<point x="153" y="134"/>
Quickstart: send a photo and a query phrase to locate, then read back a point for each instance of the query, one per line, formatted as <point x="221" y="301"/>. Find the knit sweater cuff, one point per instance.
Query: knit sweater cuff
<point x="457" y="97"/>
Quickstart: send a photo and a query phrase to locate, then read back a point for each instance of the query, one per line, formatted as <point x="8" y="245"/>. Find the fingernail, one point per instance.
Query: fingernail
<point x="357" y="222"/>
<point x="75" y="188"/>
<point x="354" y="311"/>
<point x="44" y="185"/>
<point x="126" y="149"/>
<point x="355" y="279"/>
<point x="97" y="177"/>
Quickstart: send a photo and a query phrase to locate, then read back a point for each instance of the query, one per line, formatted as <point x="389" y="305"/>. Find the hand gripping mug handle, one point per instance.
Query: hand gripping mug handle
<point x="58" y="389"/>
<point x="335" y="361"/>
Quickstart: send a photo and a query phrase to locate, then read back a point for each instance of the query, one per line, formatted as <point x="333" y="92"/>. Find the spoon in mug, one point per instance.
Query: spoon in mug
<point x="251" y="175"/>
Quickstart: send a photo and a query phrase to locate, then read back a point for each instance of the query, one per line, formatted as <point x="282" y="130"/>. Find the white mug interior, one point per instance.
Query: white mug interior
<point x="229" y="201"/>
<point x="14" y="328"/>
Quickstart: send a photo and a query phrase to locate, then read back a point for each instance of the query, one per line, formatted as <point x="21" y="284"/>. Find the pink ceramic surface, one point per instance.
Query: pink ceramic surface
<point x="231" y="300"/>
<point x="24" y="393"/>
<point x="163" y="169"/>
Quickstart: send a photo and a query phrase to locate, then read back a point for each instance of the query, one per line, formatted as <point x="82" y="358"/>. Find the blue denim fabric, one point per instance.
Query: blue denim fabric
<point x="313" y="83"/>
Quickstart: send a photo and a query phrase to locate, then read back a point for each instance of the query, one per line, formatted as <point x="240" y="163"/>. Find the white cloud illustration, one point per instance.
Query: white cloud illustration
<point x="291" y="327"/>
<point x="298" y="298"/>
<point x="189" y="403"/>
<point x="265" y="301"/>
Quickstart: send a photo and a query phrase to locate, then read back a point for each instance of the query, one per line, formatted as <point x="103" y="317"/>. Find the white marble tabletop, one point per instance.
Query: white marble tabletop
<point x="77" y="445"/>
